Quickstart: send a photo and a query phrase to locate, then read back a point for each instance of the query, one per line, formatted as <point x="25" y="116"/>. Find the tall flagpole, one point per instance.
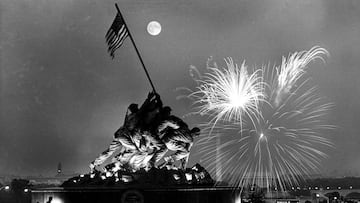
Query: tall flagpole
<point x="137" y="51"/>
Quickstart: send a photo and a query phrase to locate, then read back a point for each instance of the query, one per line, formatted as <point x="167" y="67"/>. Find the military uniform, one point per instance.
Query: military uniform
<point x="134" y="123"/>
<point x="176" y="136"/>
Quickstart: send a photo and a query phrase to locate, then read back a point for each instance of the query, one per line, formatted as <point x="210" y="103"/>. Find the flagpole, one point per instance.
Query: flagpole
<point x="136" y="49"/>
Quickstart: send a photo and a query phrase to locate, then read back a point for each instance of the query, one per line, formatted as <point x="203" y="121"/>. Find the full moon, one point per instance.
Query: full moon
<point x="154" y="28"/>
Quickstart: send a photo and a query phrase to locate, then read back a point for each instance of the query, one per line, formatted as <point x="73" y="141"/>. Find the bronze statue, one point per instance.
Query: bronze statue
<point x="146" y="136"/>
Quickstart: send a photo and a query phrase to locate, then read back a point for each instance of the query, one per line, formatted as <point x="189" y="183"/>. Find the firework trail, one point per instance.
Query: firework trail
<point x="284" y="141"/>
<point x="292" y="69"/>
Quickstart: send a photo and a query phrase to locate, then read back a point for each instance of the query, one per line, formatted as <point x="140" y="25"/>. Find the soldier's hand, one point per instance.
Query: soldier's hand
<point x="151" y="94"/>
<point x="157" y="96"/>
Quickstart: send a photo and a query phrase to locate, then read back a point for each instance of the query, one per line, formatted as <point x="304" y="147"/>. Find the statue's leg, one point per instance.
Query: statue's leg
<point x="168" y="161"/>
<point x="124" y="158"/>
<point x="114" y="145"/>
<point x="170" y="145"/>
<point x="121" y="138"/>
<point x="160" y="150"/>
<point x="117" y="158"/>
<point x="127" y="142"/>
<point x="140" y="161"/>
<point x="185" y="160"/>
<point x="182" y="155"/>
<point x="158" y="155"/>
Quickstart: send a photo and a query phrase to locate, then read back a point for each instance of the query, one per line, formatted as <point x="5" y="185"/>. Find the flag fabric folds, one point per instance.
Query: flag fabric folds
<point x="116" y="35"/>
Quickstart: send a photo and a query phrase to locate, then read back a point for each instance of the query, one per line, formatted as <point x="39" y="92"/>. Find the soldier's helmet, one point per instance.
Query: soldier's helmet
<point x="195" y="131"/>
<point x="133" y="108"/>
<point x="166" y="110"/>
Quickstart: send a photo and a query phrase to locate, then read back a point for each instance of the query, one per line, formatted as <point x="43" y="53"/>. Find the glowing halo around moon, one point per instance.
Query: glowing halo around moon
<point x="154" y="28"/>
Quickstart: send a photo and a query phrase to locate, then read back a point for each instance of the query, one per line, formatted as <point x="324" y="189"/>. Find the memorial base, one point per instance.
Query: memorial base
<point x="156" y="185"/>
<point x="136" y="195"/>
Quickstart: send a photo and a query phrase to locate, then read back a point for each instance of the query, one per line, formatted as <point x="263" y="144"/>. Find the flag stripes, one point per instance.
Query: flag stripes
<point x="116" y="35"/>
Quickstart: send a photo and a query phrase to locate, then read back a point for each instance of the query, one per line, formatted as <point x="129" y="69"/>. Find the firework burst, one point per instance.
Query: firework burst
<point x="227" y="94"/>
<point x="284" y="142"/>
<point x="292" y="69"/>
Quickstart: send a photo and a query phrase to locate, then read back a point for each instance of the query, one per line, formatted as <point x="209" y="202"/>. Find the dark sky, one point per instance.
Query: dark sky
<point x="62" y="97"/>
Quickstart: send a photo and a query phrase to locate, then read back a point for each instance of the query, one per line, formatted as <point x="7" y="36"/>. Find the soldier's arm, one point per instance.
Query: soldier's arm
<point x="168" y="124"/>
<point x="183" y="136"/>
<point x="147" y="101"/>
<point x="178" y="121"/>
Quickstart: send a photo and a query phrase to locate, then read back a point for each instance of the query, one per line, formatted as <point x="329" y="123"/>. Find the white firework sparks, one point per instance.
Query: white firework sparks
<point x="292" y="69"/>
<point x="229" y="93"/>
<point x="285" y="143"/>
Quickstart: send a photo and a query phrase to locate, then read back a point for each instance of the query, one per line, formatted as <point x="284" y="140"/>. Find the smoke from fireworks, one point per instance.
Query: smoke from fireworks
<point x="283" y="142"/>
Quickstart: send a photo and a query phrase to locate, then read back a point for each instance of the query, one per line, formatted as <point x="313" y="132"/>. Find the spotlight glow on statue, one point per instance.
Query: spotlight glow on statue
<point x="154" y="28"/>
<point x="287" y="140"/>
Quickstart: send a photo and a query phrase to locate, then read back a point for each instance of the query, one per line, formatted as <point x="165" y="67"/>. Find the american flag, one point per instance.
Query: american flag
<point x="116" y="35"/>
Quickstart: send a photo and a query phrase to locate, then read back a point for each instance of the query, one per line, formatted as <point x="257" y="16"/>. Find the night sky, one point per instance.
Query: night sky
<point x="62" y="97"/>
